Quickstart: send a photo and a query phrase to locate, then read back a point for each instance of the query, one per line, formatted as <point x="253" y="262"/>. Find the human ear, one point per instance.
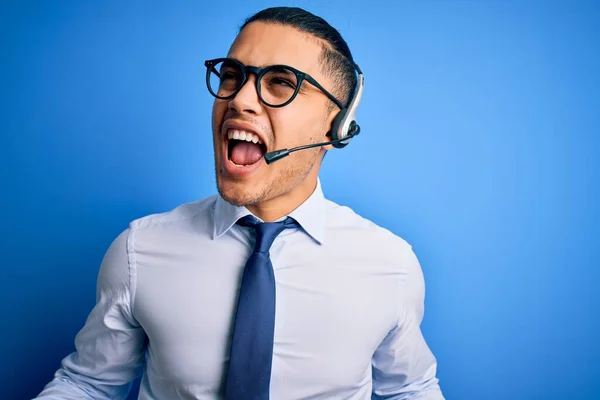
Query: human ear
<point x="329" y="122"/>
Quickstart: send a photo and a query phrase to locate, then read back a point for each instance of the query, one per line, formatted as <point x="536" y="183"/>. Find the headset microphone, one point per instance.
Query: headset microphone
<point x="273" y="156"/>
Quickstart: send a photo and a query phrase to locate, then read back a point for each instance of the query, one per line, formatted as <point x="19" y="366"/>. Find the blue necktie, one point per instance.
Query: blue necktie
<point x="249" y="370"/>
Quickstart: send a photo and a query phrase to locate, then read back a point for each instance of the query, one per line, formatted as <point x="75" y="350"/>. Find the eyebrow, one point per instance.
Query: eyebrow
<point x="261" y="66"/>
<point x="236" y="59"/>
<point x="280" y="68"/>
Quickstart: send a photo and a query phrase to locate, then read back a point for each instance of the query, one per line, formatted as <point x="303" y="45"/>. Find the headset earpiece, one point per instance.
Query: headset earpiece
<point x="336" y="129"/>
<point x="344" y="125"/>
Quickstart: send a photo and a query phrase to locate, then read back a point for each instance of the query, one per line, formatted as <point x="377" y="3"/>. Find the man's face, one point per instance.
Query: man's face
<point x="305" y="120"/>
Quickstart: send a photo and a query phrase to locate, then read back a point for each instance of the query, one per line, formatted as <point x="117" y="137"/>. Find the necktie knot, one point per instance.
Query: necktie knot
<point x="266" y="232"/>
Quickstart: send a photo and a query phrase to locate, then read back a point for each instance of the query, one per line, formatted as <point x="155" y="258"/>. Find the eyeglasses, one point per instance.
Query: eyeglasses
<point x="276" y="85"/>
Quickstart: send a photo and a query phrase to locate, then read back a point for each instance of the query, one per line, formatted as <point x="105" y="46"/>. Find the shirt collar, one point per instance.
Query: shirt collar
<point x="310" y="215"/>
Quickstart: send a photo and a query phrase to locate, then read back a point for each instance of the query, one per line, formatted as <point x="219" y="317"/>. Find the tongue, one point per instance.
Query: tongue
<point x="245" y="153"/>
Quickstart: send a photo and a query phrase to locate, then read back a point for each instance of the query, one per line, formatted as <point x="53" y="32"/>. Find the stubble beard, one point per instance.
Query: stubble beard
<point x="249" y="194"/>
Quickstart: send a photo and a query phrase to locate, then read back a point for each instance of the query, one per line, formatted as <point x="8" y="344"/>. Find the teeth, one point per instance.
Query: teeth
<point x="243" y="135"/>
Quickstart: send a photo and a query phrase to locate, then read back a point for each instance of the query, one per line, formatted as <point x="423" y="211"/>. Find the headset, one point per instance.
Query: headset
<point x="344" y="126"/>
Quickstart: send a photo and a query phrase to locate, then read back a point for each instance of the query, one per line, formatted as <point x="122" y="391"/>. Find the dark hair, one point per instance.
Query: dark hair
<point x="335" y="57"/>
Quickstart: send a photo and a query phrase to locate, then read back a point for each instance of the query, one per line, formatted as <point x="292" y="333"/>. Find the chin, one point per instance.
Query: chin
<point x="237" y="193"/>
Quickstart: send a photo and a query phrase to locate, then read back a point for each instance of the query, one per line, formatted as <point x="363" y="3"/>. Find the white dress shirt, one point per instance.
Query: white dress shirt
<point x="350" y="298"/>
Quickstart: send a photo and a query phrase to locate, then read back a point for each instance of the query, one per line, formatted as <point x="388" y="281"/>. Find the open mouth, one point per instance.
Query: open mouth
<point x="244" y="148"/>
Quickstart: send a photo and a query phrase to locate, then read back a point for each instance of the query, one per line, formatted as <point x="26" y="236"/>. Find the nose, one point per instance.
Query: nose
<point x="247" y="100"/>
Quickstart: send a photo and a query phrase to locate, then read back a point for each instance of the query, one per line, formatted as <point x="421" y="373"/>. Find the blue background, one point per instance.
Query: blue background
<point x="479" y="145"/>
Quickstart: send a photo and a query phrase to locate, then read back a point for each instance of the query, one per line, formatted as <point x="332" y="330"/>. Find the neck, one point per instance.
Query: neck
<point x="280" y="206"/>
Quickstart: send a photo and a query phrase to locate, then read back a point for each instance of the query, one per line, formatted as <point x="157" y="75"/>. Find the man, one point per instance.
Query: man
<point x="267" y="289"/>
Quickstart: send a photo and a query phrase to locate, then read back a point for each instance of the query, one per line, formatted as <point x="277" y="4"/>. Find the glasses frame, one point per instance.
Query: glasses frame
<point x="260" y="72"/>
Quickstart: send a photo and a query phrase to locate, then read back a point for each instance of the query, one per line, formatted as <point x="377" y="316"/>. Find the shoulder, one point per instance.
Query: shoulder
<point x="151" y="230"/>
<point x="341" y="218"/>
<point x="357" y="240"/>
<point x="182" y="215"/>
<point x="192" y="219"/>
<point x="358" y="237"/>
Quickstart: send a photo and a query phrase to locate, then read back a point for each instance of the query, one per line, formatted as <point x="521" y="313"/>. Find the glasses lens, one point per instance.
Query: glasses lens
<point x="278" y="85"/>
<point x="225" y="78"/>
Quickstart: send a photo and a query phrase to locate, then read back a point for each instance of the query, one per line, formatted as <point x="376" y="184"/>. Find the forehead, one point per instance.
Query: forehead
<point x="261" y="44"/>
